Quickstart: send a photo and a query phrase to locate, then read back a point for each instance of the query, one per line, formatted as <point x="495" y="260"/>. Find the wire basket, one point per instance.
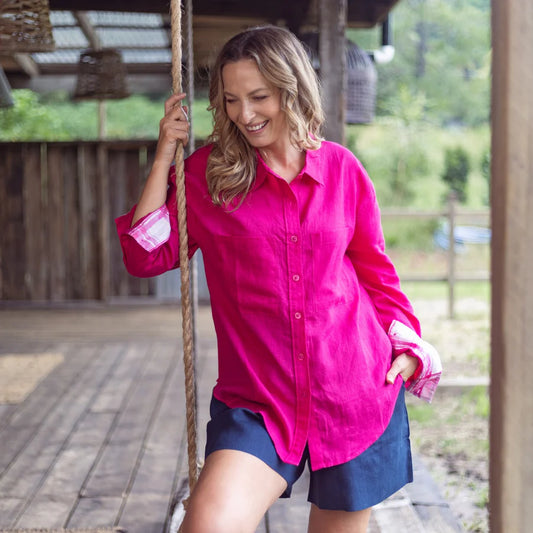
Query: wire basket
<point x="25" y="26"/>
<point x="361" y="85"/>
<point x="361" y="79"/>
<point x="101" y="75"/>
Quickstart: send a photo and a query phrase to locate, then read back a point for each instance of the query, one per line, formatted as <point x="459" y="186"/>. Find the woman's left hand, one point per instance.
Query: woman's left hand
<point x="405" y="365"/>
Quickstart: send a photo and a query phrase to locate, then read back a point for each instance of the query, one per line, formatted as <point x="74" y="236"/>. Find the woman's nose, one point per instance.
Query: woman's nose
<point x="247" y="113"/>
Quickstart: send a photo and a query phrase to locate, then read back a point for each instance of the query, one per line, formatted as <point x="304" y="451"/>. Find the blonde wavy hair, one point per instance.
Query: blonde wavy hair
<point x="283" y="61"/>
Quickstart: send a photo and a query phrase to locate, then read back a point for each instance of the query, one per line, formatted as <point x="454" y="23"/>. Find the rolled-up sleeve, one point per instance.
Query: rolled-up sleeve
<point x="427" y="376"/>
<point x="153" y="230"/>
<point x="151" y="246"/>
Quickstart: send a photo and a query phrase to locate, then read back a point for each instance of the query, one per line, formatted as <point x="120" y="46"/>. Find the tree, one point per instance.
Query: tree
<point x="442" y="51"/>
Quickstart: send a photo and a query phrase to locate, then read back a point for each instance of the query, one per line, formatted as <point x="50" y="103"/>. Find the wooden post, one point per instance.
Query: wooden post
<point x="511" y="425"/>
<point x="102" y="120"/>
<point x="452" y="201"/>
<point x="104" y="230"/>
<point x="332" y="55"/>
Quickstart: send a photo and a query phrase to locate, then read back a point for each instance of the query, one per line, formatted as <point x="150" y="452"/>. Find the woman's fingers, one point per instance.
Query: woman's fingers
<point x="404" y="365"/>
<point x="173" y="101"/>
<point x="173" y="128"/>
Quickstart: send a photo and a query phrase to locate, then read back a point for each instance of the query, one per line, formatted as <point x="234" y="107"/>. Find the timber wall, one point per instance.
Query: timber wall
<point x="57" y="205"/>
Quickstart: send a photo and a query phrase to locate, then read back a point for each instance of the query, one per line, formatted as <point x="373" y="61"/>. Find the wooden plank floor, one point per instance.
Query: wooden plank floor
<point x="100" y="440"/>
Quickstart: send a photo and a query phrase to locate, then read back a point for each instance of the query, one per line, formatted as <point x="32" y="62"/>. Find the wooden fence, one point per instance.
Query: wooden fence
<point x="57" y="205"/>
<point x="452" y="237"/>
<point x="58" y="201"/>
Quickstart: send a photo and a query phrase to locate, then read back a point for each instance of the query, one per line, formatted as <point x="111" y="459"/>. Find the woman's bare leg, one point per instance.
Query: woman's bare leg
<point x="323" y="521"/>
<point x="234" y="491"/>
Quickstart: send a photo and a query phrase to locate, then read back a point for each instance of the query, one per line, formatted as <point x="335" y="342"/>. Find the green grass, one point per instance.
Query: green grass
<point x="438" y="290"/>
<point x="477" y="400"/>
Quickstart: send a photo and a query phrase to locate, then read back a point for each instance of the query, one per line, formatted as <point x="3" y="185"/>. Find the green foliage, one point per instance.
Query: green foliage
<point x="485" y="164"/>
<point x="442" y="52"/>
<point x="397" y="160"/>
<point x="28" y="120"/>
<point x="56" y="117"/>
<point x="202" y="121"/>
<point x="456" y="170"/>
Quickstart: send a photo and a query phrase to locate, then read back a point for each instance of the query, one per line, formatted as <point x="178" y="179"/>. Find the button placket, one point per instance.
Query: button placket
<point x="296" y="310"/>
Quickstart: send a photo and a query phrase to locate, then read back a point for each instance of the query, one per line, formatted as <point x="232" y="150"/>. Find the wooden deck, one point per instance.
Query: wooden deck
<point x="99" y="441"/>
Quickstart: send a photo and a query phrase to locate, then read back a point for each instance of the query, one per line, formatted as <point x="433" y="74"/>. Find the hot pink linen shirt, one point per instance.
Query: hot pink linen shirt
<point x="302" y="296"/>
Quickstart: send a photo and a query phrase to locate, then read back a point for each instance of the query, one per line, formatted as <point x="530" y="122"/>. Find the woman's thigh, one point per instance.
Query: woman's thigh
<point x="233" y="492"/>
<point x="325" y="521"/>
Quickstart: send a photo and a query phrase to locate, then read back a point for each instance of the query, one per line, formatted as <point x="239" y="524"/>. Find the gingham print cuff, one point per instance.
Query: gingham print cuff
<point x="153" y="230"/>
<point x="405" y="340"/>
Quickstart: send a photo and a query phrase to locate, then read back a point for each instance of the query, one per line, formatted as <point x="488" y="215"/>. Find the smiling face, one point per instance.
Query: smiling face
<point x="254" y="105"/>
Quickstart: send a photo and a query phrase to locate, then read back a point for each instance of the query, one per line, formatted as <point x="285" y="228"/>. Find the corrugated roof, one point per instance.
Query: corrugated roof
<point x="140" y="37"/>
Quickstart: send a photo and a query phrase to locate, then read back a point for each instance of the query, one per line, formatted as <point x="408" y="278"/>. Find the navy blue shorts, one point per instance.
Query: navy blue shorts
<point x="365" y="481"/>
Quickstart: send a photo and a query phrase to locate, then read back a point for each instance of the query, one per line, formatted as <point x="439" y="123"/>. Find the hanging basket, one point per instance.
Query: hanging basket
<point x="25" y="26"/>
<point x="6" y="100"/>
<point x="101" y="75"/>
<point x="361" y="87"/>
<point x="361" y="79"/>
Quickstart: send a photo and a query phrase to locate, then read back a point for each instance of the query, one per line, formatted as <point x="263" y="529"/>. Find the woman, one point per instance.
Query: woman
<point x="315" y="337"/>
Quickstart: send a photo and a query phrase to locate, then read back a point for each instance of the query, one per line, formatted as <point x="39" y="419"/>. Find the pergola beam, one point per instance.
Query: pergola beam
<point x="86" y="27"/>
<point x="27" y="64"/>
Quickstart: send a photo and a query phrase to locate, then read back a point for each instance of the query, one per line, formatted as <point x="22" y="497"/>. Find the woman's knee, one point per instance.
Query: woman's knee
<point x="208" y="516"/>
<point x="232" y="494"/>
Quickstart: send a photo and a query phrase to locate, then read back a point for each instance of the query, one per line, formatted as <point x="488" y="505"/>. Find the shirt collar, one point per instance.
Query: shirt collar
<point x="312" y="168"/>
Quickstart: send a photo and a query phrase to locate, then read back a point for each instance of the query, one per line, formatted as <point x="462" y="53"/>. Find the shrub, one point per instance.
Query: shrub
<point x="456" y="170"/>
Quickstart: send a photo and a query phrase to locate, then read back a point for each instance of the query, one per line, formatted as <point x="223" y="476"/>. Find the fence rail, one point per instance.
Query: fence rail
<point x="453" y="235"/>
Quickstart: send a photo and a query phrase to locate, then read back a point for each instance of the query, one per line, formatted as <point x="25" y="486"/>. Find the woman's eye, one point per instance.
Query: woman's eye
<point x="230" y="100"/>
<point x="262" y="97"/>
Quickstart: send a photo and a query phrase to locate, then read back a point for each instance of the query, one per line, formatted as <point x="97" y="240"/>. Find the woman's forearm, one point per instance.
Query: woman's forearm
<point x="154" y="193"/>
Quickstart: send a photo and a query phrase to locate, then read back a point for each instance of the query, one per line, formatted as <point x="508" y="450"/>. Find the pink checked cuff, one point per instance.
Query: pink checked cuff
<point x="153" y="230"/>
<point x="428" y="373"/>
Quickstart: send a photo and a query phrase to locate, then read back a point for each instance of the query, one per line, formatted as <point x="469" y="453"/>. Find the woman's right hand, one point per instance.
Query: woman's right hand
<point x="173" y="128"/>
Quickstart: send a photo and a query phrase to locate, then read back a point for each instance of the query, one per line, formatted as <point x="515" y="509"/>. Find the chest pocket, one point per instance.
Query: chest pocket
<point x="255" y="273"/>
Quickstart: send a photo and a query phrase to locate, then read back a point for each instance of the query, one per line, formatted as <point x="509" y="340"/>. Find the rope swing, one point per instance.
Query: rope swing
<point x="186" y="302"/>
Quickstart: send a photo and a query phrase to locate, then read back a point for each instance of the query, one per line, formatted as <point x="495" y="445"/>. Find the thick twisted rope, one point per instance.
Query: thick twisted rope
<point x="186" y="305"/>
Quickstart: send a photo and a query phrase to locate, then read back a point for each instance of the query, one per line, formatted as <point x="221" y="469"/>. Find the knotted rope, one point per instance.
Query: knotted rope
<point x="186" y="304"/>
